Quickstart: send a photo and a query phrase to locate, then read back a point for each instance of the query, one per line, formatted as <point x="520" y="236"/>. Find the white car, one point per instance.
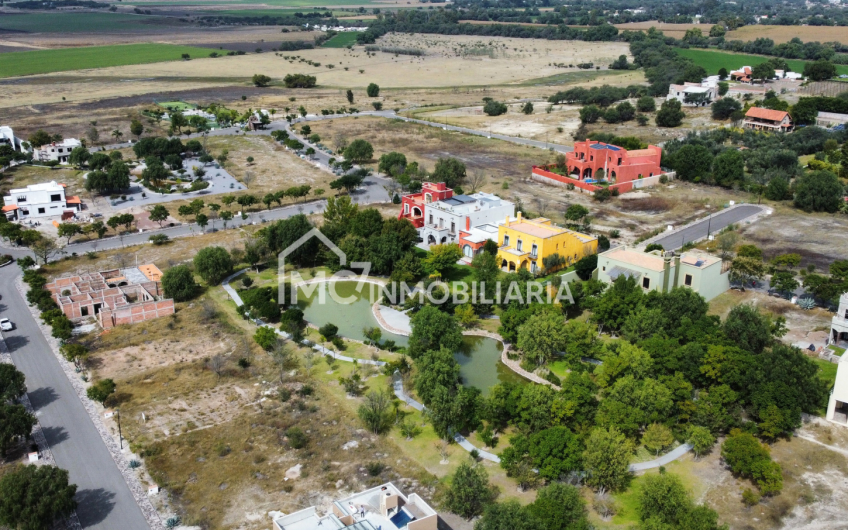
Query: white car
<point x="6" y="324"/>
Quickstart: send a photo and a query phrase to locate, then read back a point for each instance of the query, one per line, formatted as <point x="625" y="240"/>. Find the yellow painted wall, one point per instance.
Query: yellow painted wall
<point x="566" y="243"/>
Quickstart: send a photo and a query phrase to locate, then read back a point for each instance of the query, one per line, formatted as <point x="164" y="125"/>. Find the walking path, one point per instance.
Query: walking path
<point x="402" y="320"/>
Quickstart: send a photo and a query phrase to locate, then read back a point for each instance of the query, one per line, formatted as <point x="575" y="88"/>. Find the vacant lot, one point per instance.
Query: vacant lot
<point x="781" y="34"/>
<point x="672" y="30"/>
<point x="52" y="22"/>
<point x="46" y="61"/>
<point x="712" y="60"/>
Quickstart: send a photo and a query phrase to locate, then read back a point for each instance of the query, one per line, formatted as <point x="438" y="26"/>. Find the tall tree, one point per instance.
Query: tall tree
<point x="33" y="497"/>
<point x="470" y="491"/>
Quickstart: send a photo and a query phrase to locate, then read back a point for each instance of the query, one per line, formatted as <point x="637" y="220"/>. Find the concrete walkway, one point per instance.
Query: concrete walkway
<point x="393" y="320"/>
<point x="667" y="458"/>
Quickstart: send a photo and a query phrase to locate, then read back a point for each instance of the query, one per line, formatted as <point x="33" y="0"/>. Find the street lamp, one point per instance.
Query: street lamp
<point x="120" y="436"/>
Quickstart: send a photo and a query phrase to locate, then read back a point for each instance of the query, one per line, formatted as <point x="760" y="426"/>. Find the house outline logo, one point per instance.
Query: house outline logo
<point x="298" y="283"/>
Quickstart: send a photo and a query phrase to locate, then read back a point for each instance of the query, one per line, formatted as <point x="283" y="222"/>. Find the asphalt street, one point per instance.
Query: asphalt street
<point x="105" y="501"/>
<point x="709" y="225"/>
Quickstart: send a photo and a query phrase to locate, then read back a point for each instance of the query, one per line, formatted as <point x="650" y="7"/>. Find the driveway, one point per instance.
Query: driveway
<point x="708" y="226"/>
<point x="105" y="501"/>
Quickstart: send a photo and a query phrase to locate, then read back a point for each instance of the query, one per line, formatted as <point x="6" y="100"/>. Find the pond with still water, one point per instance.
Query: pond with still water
<point x="350" y="310"/>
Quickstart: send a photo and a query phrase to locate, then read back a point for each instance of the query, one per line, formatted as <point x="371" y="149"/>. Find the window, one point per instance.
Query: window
<point x="604" y="268"/>
<point x="431" y="218"/>
<point x="646" y="282"/>
<point x="55" y="198"/>
<point x="506" y="241"/>
<point x="518" y="245"/>
<point x="41" y="210"/>
<point x="453" y="227"/>
<point x="22" y="198"/>
<point x="533" y="267"/>
<point x="84" y="310"/>
<point x="619" y="161"/>
<point x="406" y="209"/>
<point x="534" y="251"/>
<point x="687" y="280"/>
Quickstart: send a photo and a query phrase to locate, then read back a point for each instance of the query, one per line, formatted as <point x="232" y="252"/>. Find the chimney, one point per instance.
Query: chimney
<point x="467" y="223"/>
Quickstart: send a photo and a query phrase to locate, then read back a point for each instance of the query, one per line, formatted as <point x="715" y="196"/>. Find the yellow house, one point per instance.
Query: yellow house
<point x="525" y="243"/>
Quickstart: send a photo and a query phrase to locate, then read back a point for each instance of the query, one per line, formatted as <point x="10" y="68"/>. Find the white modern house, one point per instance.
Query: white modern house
<point x="39" y="200"/>
<point x="693" y="94"/>
<point x="446" y="218"/>
<point x="837" y="406"/>
<point x="58" y="151"/>
<point x="381" y="508"/>
<point x="7" y="137"/>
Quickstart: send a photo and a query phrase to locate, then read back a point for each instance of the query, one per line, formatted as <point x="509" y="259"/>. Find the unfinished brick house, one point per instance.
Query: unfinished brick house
<point x="114" y="297"/>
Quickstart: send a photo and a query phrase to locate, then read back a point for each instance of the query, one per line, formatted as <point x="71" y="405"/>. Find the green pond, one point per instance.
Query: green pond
<point x="478" y="358"/>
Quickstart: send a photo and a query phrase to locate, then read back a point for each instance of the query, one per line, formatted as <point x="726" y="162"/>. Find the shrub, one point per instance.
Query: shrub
<point x="297" y="438"/>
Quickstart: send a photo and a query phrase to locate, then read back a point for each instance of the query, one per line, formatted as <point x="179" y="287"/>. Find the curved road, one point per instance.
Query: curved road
<point x="105" y="501"/>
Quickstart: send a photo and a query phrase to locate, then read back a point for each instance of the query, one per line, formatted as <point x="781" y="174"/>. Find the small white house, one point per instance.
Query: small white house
<point x="39" y="200"/>
<point x="7" y="137"/>
<point x="58" y="151"/>
<point x="693" y="94"/>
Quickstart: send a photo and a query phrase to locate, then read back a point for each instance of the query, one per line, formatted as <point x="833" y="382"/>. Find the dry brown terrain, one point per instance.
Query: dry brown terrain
<point x="781" y="34"/>
<point x="449" y="63"/>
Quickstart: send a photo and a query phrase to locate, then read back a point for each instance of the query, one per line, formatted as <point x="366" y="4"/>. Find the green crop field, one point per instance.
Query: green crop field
<point x="341" y="40"/>
<point x="712" y="60"/>
<point x="78" y="22"/>
<point x="62" y="60"/>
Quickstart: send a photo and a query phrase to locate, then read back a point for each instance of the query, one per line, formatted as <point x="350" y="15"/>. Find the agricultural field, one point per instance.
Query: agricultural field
<point x="51" y="22"/>
<point x="672" y="30"/>
<point x="712" y="60"/>
<point x="277" y="3"/>
<point x="781" y="34"/>
<point x="47" y="61"/>
<point x="341" y="40"/>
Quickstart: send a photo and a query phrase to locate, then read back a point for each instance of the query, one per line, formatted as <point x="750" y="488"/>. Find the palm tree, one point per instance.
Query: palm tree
<point x="117" y="134"/>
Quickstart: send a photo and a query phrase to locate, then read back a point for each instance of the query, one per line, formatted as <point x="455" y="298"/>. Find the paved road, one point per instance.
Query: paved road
<point x="105" y="501"/>
<point x="712" y="223"/>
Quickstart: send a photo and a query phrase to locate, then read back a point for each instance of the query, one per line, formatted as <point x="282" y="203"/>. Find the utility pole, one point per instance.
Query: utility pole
<point x="120" y="436"/>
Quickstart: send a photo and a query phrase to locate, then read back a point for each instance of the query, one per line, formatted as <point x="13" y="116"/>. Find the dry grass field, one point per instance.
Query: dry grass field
<point x="781" y="34"/>
<point x="451" y="62"/>
<point x="672" y="30"/>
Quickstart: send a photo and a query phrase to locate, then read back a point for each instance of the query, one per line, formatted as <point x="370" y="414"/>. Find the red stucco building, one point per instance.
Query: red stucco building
<point x="414" y="204"/>
<point x="621" y="168"/>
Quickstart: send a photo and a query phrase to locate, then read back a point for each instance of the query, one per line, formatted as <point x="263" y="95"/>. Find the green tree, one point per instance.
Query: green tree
<point x="33" y="497"/>
<point x="663" y="497"/>
<point x="261" y="80"/>
<point x="376" y="412"/>
<point x="12" y="383"/>
<point x="728" y="168"/>
<point x="15" y="423"/>
<point x="178" y="283"/>
<point x="820" y="70"/>
<point x="159" y="214"/>
<point x="469" y="491"/>
<point x="392" y="164"/>
<point x="431" y="330"/>
<point x="494" y="108"/>
<point x="670" y="114"/>
<point x="101" y="390"/>
<point x="79" y="156"/>
<point x="542" y="337"/>
<point x="692" y="162"/>
<point x="646" y="104"/>
<point x="266" y="337"/>
<point x="136" y="128"/>
<point x="349" y="95"/>
<point x="762" y="71"/>
<point x="436" y="368"/>
<point x="449" y="170"/>
<point x="657" y="437"/>
<point x="559" y="506"/>
<point x="213" y="264"/>
<point x="818" y="191"/>
<point x="359" y="151"/>
<point x="749" y="328"/>
<point x="509" y="515"/>
<point x="373" y="90"/>
<point x="576" y="213"/>
<point x="527" y="108"/>
<point x="441" y="258"/>
<point x="590" y="114"/>
<point x="717" y="30"/>
<point x="784" y="281"/>
<point x="607" y="459"/>
<point x="701" y="439"/>
<point x="69" y="230"/>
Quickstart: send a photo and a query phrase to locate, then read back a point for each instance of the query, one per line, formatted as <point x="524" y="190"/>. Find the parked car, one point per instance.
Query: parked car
<point x="6" y="324"/>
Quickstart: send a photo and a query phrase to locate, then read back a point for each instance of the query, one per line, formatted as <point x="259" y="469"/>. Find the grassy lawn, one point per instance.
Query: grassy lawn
<point x="61" y="60"/>
<point x="341" y="40"/>
<point x="176" y="105"/>
<point x="839" y="351"/>
<point x="712" y="60"/>
<point x="74" y="22"/>
<point x="827" y="370"/>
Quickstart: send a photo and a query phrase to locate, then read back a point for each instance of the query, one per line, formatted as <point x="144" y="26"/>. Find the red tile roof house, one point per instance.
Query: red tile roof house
<point x="115" y="297"/>
<point x="414" y="204"/>
<point x="622" y="169"/>
<point x="767" y="120"/>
